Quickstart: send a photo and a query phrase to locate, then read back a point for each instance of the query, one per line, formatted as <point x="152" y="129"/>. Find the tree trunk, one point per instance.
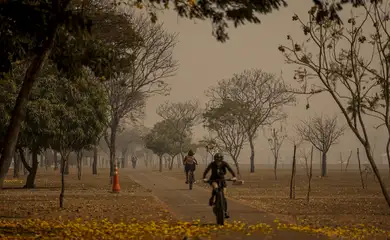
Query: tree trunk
<point x="95" y="161"/>
<point x="124" y="153"/>
<point x="160" y="163"/>
<point x="360" y="168"/>
<point x="237" y="167"/>
<point x="16" y="164"/>
<point x="179" y="162"/>
<point x="30" y="182"/>
<point x="64" y="159"/>
<point x="292" y="180"/>
<point x="19" y="110"/>
<point x="47" y="157"/>
<point x="79" y="159"/>
<point x="252" y="157"/>
<point x="171" y="163"/>
<point x="275" y="167"/>
<point x="323" y="168"/>
<point x="114" y="128"/>
<point x="55" y="158"/>
<point x="388" y="151"/>
<point x="310" y="175"/>
<point x="377" y="173"/>
<point x="28" y="160"/>
<point x="66" y="171"/>
<point x="41" y="161"/>
<point x="349" y="158"/>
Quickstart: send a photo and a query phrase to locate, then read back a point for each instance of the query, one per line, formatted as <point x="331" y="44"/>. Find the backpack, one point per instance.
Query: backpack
<point x="189" y="160"/>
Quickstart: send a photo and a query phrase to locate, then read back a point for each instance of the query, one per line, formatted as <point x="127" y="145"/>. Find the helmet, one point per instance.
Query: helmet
<point x="190" y="153"/>
<point x="218" y="157"/>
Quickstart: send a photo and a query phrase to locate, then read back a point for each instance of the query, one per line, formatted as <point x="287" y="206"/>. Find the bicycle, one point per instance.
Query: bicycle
<point x="191" y="179"/>
<point x="220" y="202"/>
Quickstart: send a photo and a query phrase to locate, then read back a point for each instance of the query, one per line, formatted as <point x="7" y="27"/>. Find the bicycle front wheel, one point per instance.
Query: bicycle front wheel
<point x="219" y="208"/>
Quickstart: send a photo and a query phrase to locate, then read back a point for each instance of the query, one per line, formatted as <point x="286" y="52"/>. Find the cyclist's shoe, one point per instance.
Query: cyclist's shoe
<point x="227" y="215"/>
<point x="211" y="201"/>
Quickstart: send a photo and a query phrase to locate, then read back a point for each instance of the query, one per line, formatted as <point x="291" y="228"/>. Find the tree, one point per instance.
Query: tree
<point x="127" y="142"/>
<point x="255" y="99"/>
<point x="158" y="141"/>
<point x="322" y="132"/>
<point x="343" y="71"/>
<point x="275" y="142"/>
<point x="145" y="74"/>
<point x="23" y="22"/>
<point x="230" y="133"/>
<point x="181" y="118"/>
<point x="37" y="127"/>
<point x="28" y="30"/>
<point x="80" y="117"/>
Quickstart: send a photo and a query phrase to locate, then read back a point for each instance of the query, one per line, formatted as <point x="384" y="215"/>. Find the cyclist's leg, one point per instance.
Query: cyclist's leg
<point x="193" y="172"/>
<point x="186" y="169"/>
<point x="226" y="205"/>
<point x="214" y="186"/>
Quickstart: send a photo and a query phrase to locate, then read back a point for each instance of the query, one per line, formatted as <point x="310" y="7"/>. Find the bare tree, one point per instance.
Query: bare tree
<point x="182" y="117"/>
<point x="145" y="75"/>
<point x="337" y="66"/>
<point x="360" y="167"/>
<point x="230" y="133"/>
<point x="309" y="170"/>
<point x="256" y="99"/>
<point x="322" y="132"/>
<point x="275" y="142"/>
<point x="293" y="172"/>
<point x="348" y="160"/>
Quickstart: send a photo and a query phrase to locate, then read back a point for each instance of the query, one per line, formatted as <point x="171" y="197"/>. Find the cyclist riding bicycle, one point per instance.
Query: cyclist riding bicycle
<point x="190" y="164"/>
<point x="218" y="171"/>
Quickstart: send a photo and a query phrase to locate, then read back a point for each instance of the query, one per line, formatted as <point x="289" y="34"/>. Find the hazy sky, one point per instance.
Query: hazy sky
<point x="203" y="61"/>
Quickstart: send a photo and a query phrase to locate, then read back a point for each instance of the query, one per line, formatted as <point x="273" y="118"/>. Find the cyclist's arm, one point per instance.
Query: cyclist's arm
<point x="206" y="171"/>
<point x="230" y="169"/>
<point x="184" y="160"/>
<point x="196" y="162"/>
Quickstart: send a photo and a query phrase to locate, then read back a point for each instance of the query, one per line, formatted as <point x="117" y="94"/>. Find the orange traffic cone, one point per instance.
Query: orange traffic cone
<point x="115" y="185"/>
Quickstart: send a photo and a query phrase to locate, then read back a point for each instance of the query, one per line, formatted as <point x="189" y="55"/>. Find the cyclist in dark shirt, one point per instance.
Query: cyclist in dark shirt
<point x="218" y="169"/>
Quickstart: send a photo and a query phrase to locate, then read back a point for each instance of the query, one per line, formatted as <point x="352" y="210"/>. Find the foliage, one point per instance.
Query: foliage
<point x="210" y="144"/>
<point x="180" y="118"/>
<point x="80" y="228"/>
<point x="230" y="133"/>
<point x="157" y="139"/>
<point x="48" y="105"/>
<point x="80" y="112"/>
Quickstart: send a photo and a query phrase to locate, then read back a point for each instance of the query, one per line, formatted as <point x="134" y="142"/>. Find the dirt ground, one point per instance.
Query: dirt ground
<point x="336" y="200"/>
<point x="89" y="198"/>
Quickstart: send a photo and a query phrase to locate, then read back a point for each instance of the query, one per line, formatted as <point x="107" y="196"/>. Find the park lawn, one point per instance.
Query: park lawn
<point x="89" y="198"/>
<point x="92" y="211"/>
<point x="336" y="201"/>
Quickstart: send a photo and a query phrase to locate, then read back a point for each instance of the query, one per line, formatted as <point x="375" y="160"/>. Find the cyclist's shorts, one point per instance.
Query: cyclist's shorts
<point x="189" y="167"/>
<point x="223" y="183"/>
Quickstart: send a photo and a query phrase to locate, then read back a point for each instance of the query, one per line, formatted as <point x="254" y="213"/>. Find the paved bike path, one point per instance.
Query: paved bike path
<point x="188" y="205"/>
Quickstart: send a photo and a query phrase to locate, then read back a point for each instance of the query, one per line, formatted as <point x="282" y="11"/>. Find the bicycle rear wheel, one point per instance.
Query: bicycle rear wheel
<point x="190" y="179"/>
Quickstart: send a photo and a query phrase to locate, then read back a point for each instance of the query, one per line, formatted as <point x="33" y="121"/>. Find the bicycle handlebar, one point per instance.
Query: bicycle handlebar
<point x="226" y="179"/>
